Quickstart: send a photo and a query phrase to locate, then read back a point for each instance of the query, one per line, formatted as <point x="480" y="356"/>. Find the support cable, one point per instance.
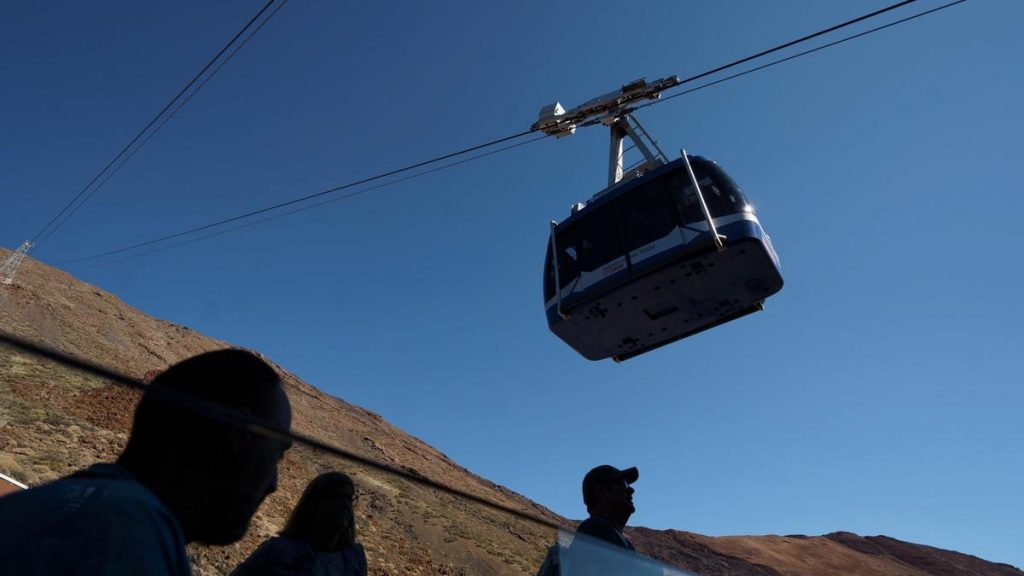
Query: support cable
<point x="800" y="54"/>
<point x="302" y="199"/>
<point x="526" y="132"/>
<point x="54" y="224"/>
<point x="311" y="206"/>
<point x="800" y="40"/>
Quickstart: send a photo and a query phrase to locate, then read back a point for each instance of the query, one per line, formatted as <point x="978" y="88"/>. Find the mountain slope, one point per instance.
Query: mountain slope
<point x="54" y="420"/>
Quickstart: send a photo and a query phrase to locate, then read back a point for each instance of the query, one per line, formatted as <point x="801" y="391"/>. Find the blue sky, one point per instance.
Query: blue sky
<point x="878" y="393"/>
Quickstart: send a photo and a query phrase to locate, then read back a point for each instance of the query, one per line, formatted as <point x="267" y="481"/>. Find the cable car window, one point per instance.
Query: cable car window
<point x="568" y="267"/>
<point x="726" y="193"/>
<point x="597" y="241"/>
<point x="715" y="171"/>
<point x="718" y="200"/>
<point x="721" y="193"/>
<point x="685" y="198"/>
<point x="549" y="275"/>
<point x="646" y="215"/>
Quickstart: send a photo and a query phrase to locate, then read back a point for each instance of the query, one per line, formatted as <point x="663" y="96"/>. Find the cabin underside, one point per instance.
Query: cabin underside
<point x="682" y="298"/>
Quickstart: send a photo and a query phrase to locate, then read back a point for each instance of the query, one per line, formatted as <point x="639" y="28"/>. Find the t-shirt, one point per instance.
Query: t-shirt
<point x="98" y="521"/>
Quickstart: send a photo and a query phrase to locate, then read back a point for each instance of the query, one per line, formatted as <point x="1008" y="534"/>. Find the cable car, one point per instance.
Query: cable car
<point x="638" y="267"/>
<point x="667" y="250"/>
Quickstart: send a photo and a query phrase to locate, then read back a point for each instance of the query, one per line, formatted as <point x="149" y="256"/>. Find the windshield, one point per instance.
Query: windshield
<point x="721" y="193"/>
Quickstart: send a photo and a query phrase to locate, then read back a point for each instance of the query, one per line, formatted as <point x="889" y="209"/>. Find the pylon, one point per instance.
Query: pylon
<point x="10" y="268"/>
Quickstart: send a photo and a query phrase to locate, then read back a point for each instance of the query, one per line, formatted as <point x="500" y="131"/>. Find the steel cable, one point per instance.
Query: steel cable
<point x="52" y="226"/>
<point x="693" y="78"/>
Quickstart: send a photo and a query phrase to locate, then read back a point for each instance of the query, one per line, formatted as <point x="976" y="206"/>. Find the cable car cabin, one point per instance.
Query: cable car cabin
<point x="638" y="268"/>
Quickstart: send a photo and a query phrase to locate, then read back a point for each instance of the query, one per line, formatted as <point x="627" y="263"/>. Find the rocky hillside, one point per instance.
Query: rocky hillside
<point x="54" y="420"/>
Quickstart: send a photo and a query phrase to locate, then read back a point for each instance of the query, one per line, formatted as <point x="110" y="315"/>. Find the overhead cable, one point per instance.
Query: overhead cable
<point x="800" y="54"/>
<point x="311" y="206"/>
<point x="302" y="199"/>
<point x="693" y="78"/>
<point x="256" y="425"/>
<point x="800" y="40"/>
<point x="96" y="183"/>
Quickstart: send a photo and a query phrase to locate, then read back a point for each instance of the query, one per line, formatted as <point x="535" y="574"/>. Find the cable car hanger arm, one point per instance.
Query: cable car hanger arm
<point x="605" y="109"/>
<point x="703" y="204"/>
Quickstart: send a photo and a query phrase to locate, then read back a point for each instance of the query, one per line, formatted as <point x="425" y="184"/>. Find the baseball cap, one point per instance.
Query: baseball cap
<point x="604" y="473"/>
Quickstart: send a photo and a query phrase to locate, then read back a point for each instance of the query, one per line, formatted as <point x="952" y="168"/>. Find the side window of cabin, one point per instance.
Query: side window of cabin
<point x="685" y="198"/>
<point x="716" y="198"/>
<point x="720" y="193"/>
<point x="568" y="265"/>
<point x="646" y="214"/>
<point x="598" y="241"/>
<point x="549" y="275"/>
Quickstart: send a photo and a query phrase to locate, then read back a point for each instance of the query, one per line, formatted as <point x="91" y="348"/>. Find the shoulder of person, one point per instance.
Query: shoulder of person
<point x="356" y="550"/>
<point x="277" y="555"/>
<point x="355" y="560"/>
<point x="598" y="528"/>
<point x="99" y="520"/>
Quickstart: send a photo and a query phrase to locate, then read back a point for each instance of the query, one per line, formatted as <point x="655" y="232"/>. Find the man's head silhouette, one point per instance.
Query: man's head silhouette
<point x="608" y="494"/>
<point x="211" y="474"/>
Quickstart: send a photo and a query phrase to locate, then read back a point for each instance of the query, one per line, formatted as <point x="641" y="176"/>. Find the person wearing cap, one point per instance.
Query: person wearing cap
<point x="609" y="499"/>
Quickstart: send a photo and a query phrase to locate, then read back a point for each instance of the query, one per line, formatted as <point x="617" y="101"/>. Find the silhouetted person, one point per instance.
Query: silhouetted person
<point x="183" y="477"/>
<point x="609" y="499"/>
<point x="319" y="539"/>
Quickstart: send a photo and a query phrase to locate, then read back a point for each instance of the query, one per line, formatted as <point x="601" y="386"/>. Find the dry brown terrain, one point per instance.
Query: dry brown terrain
<point x="54" y="420"/>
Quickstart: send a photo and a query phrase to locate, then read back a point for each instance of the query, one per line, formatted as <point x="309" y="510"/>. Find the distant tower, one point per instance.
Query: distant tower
<point x="10" y="268"/>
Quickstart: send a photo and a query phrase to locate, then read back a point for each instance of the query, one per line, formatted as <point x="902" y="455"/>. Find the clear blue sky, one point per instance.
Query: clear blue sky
<point x="880" y="392"/>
